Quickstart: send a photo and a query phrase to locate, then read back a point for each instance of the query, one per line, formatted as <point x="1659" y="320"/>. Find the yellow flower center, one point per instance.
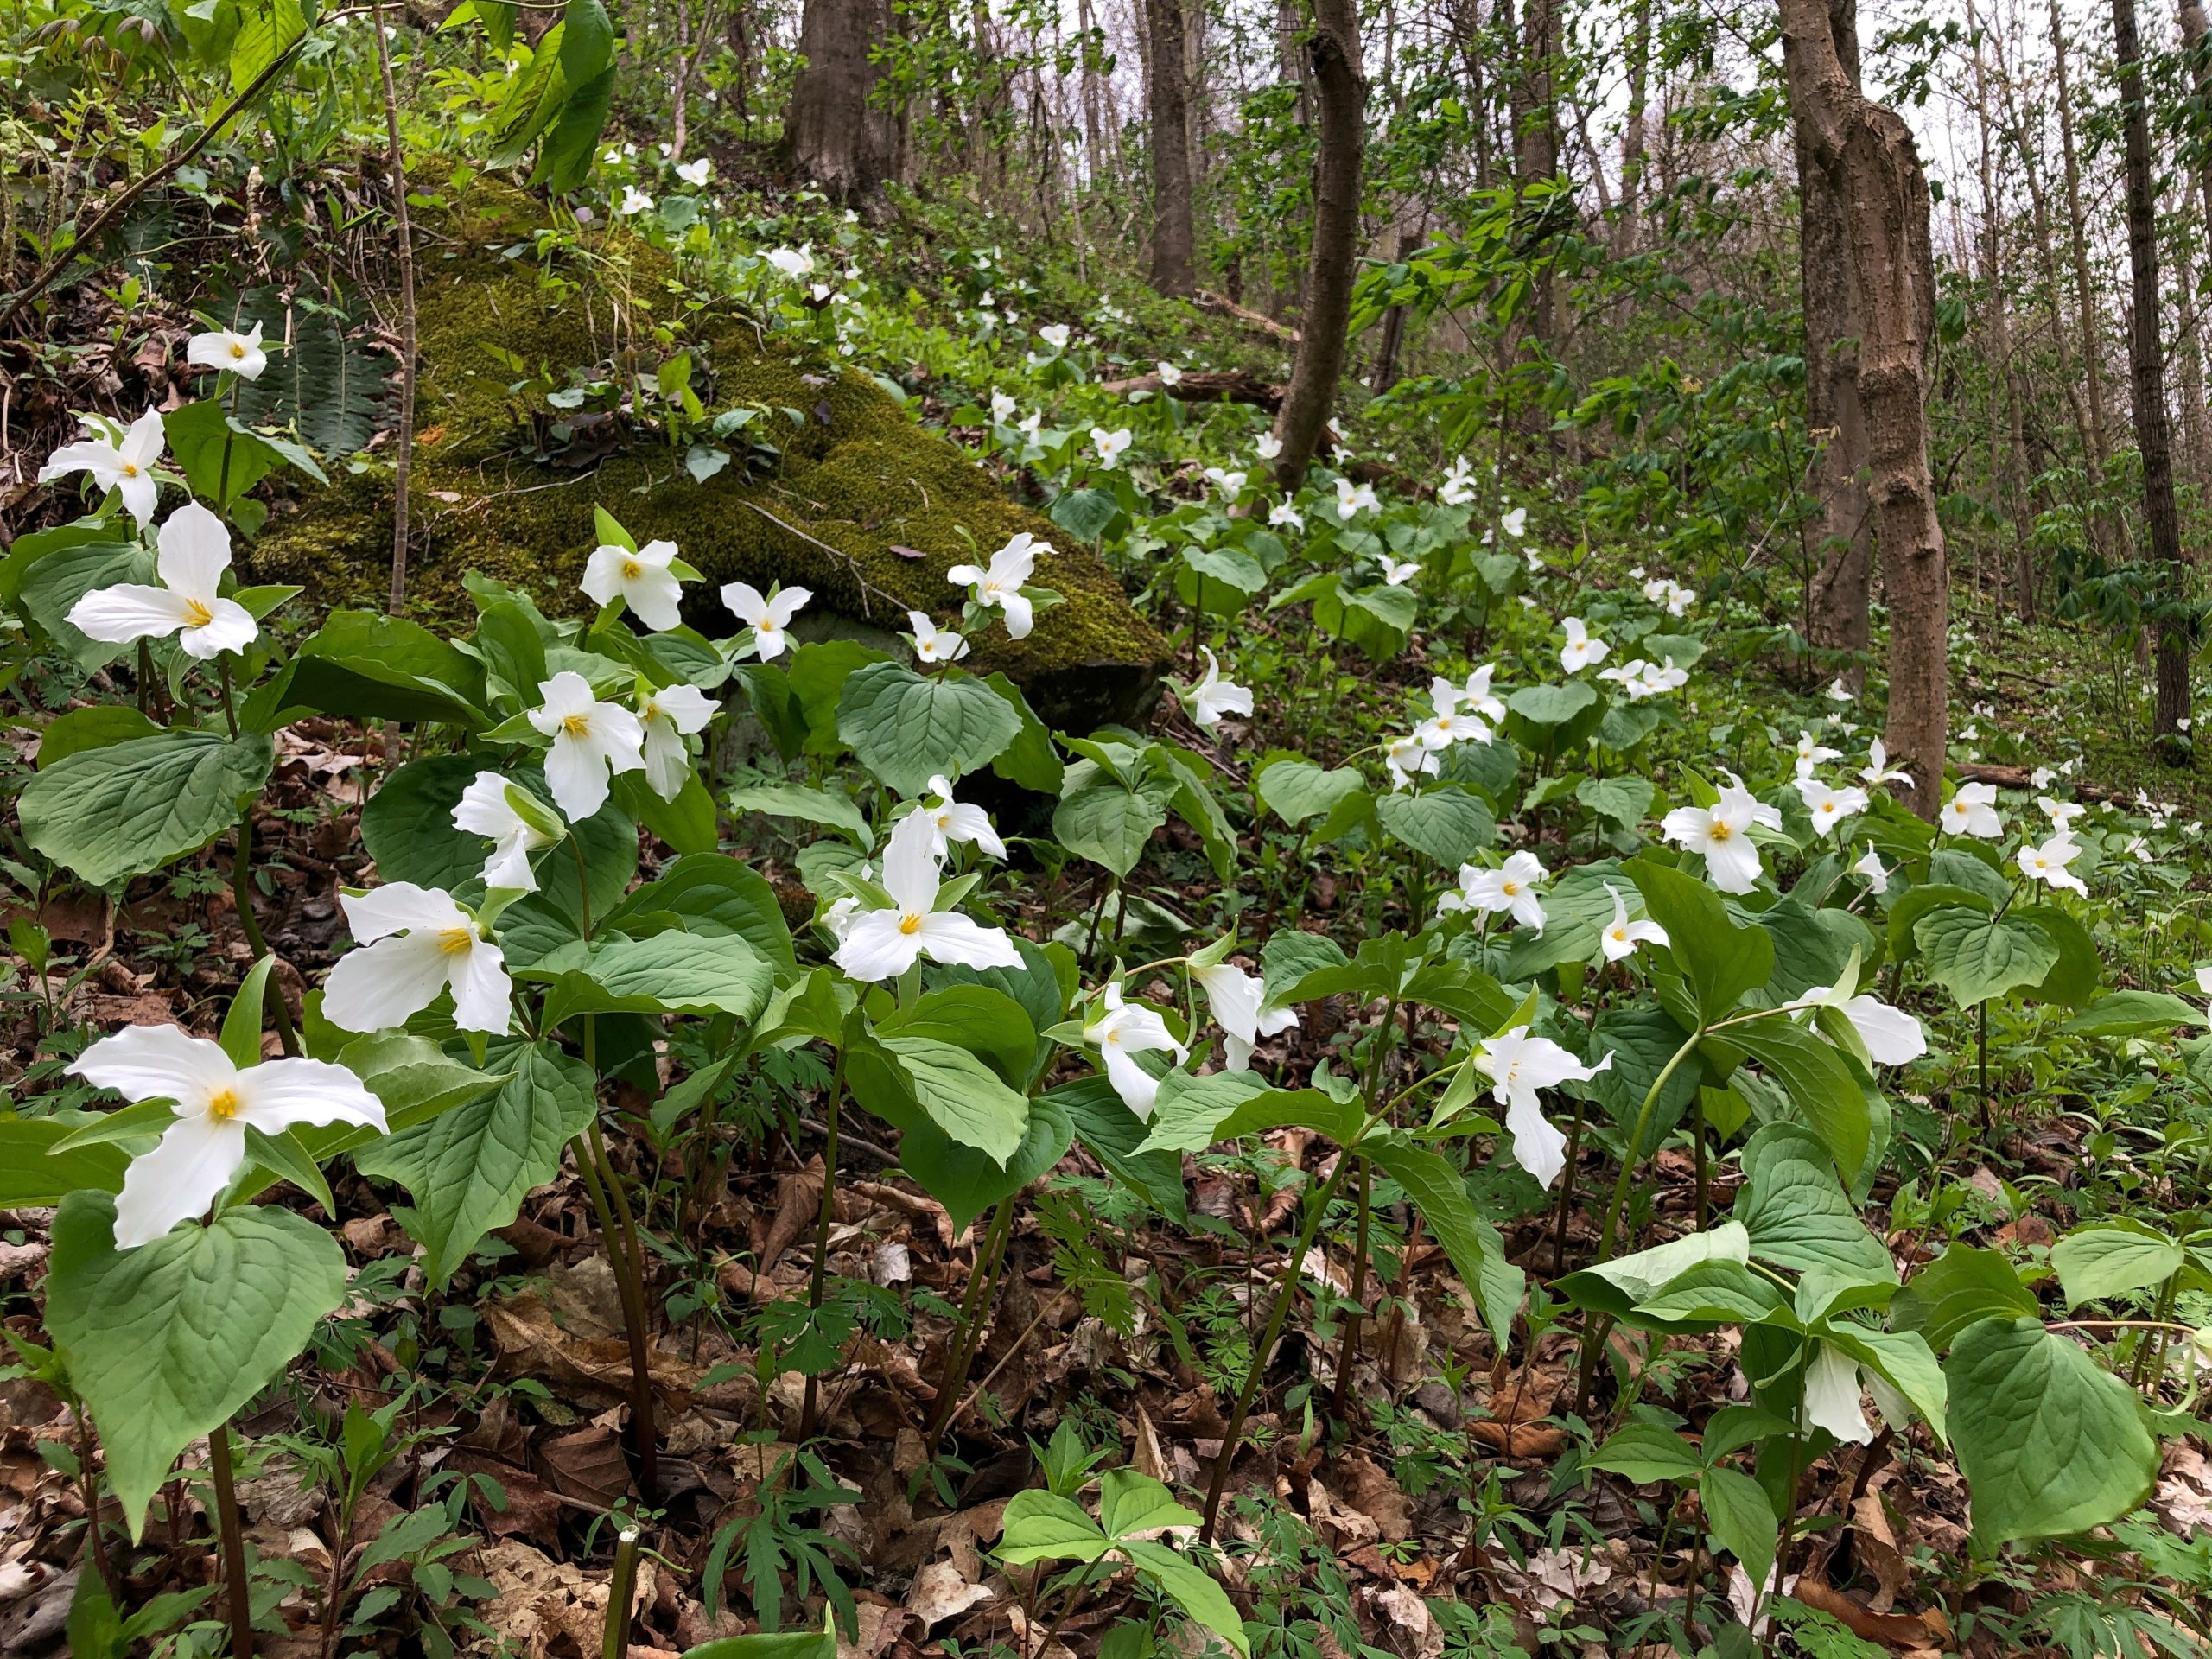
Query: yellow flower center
<point x="577" y="725"/>
<point x="1721" y="831"/>
<point x="1621" y="934"/>
<point x="455" y="941"/>
<point x="910" y="923"/>
<point x="632" y="570"/>
<point x="224" y="1106"/>
<point x="131" y="469"/>
<point x="237" y="349"/>
<point x="1511" y="889"/>
<point x="197" y="615"/>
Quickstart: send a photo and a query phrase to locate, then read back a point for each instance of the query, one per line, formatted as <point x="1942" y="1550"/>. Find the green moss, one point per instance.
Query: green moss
<point x="859" y="477"/>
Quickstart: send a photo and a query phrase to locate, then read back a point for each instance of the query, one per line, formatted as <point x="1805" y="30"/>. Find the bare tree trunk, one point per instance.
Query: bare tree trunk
<point x="2007" y="434"/>
<point x="2147" y="378"/>
<point x="1340" y="90"/>
<point x="403" y="452"/>
<point x="1634" y="140"/>
<point x="1868" y="154"/>
<point x="1094" y="134"/>
<point x="1171" y="271"/>
<point x="1536" y="122"/>
<point x="838" y="137"/>
<point x="1839" y="542"/>
<point x="2084" y="293"/>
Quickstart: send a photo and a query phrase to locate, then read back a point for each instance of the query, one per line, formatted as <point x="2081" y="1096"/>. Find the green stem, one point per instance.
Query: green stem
<point x="622" y="1591"/>
<point x="1631" y="1156"/>
<point x="233" y="1543"/>
<point x="1349" y="1349"/>
<point x="621" y="1243"/>
<point x="583" y="885"/>
<point x="1286" y="1287"/>
<point x="819" y="1272"/>
<point x="967" y="1337"/>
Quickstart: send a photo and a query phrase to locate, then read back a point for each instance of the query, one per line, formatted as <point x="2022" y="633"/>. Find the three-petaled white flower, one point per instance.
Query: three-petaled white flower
<point x="414" y="942"/>
<point x="1284" y="516"/>
<point x="1354" y="499"/>
<point x="1829" y="805"/>
<point x="2062" y="814"/>
<point x="1477" y="695"/>
<point x="1397" y="573"/>
<point x="1519" y="1067"/>
<point x="1001" y="583"/>
<point x="1972" y="812"/>
<point x="217" y="1102"/>
<point x="883" y="944"/>
<point x="1582" y="648"/>
<point x="592" y="740"/>
<point x="955" y="821"/>
<point x="1514" y="521"/>
<point x="642" y="578"/>
<point x="1622" y="936"/>
<point x="1721" y="834"/>
<point x="1228" y="479"/>
<point x="769" y="615"/>
<point x="1890" y="1036"/>
<point x="668" y="715"/>
<point x="1406" y="757"/>
<point x="226" y="348"/>
<point x="1878" y="771"/>
<point x="934" y="644"/>
<point x="1110" y="445"/>
<point x="1447" y="725"/>
<point x="1213" y="696"/>
<point x="123" y="463"/>
<point x="634" y="200"/>
<point x="1168" y="373"/>
<point x="2048" y="862"/>
<point x="695" y="174"/>
<point x="1870" y="865"/>
<point x="1239" y="1004"/>
<point x="488" y="808"/>
<point x="1457" y="488"/>
<point x="1832" y="1395"/>
<point x="195" y="549"/>
<point x="1124" y="1031"/>
<point x="1838" y="692"/>
<point x="1509" y="888"/>
<point x="1268" y="445"/>
<point x="1054" y="334"/>
<point x="1811" y="753"/>
<point x="794" y="262"/>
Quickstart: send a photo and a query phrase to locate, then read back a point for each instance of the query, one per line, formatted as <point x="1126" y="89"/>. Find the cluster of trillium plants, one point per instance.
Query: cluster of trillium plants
<point x="1715" y="985"/>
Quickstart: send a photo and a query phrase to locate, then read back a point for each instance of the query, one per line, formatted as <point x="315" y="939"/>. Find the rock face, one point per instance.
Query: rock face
<point x="855" y="500"/>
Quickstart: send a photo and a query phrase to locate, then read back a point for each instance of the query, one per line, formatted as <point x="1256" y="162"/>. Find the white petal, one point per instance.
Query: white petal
<point x="949" y="937"/>
<point x="1892" y="1037"/>
<point x="1537" y="1147"/>
<point x="276" y="1094"/>
<point x="874" y="948"/>
<point x="230" y="627"/>
<point x="973" y="824"/>
<point x="1832" y="1396"/>
<point x="509" y="864"/>
<point x="156" y="1063"/>
<point x="383" y="985"/>
<point x="910" y="866"/>
<point x="747" y="603"/>
<point x="577" y="776"/>
<point x="483" y="996"/>
<point x="1733" y="864"/>
<point x="1137" y="1087"/>
<point x="656" y="597"/>
<point x="91" y="455"/>
<point x="195" y="550"/>
<point x="178" y="1180"/>
<point x="668" y="763"/>
<point x="139" y="494"/>
<point x="1234" y="997"/>
<point x="787" y="604"/>
<point x="396" y="906"/>
<point x="1020" y="615"/>
<point x="142" y="444"/>
<point x="128" y="611"/>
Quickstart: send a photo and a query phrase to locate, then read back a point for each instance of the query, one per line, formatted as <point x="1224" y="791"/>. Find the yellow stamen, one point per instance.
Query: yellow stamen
<point x="197" y="615"/>
<point x="455" y="940"/>
<point x="1721" y="832"/>
<point x="131" y="469"/>
<point x="238" y="348"/>
<point x="632" y="570"/>
<point x="224" y="1106"/>
<point x="577" y="725"/>
<point x="910" y="923"/>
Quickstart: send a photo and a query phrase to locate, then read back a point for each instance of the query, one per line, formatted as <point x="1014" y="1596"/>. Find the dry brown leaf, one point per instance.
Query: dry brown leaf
<point x="1876" y="1550"/>
<point x="1365" y="1485"/>
<point x="1907" y="1630"/>
<point x="1520" y="1441"/>
<point x="940" y="1591"/>
<point x="588" y="1465"/>
<point x="532" y="1342"/>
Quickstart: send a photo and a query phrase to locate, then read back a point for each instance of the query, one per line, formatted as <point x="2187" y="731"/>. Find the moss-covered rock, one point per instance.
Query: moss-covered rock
<point x="863" y="506"/>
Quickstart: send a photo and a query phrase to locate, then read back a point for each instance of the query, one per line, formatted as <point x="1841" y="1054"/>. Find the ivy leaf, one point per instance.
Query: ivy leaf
<point x="167" y="1341"/>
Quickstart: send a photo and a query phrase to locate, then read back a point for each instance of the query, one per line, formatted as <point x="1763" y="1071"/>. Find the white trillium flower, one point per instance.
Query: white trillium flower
<point x="1661" y="677"/>
<point x="794" y="262"/>
<point x="1001" y="583"/>
<point x="933" y="645"/>
<point x="1622" y="936"/>
<point x="223" y="348"/>
<point x="1268" y="445"/>
<point x="1002" y="407"/>
<point x="1870" y="865"/>
<point x="201" y="1150"/>
<point x="1397" y="574"/>
<point x="592" y="740"/>
<point x="1511" y="888"/>
<point x="1457" y="488"/>
<point x="1227" y="480"/>
<point x="124" y="464"/>
<point x="1239" y="1004"/>
<point x="1353" y="499"/>
<point x="1878" y="771"/>
<point x="882" y="944"/>
<point x="1838" y="692"/>
<point x="1110" y="445"/>
<point x="2048" y="862"/>
<point x="487" y="808"/>
<point x="195" y="549"/>
<point x="955" y="822"/>
<point x="1213" y="696"/>
<point x="412" y="943"/>
<point x="1124" y="1031"/>
<point x="1284" y="515"/>
<point x="1829" y="805"/>
<point x="2062" y="814"/>
<point x="1168" y="373"/>
<point x="1054" y="334"/>
<point x="1477" y="695"/>
<point x="695" y="174"/>
<point x="667" y="717"/>
<point x="634" y="201"/>
<point x="2042" y="777"/>
<point x="1447" y="725"/>
<point x="1891" y="1035"/>
<point x="1514" y="521"/>
<point x="1972" y="812"/>
<point x="1533" y="561"/>
<point x="1721" y="834"/>
<point x="769" y="615"/>
<point x="1519" y="1067"/>
<point x="640" y="578"/>
<point x="1582" y="649"/>
<point x="1406" y="757"/>
<point x="1833" y="1394"/>
<point x="1811" y="753"/>
<point x="1033" y="422"/>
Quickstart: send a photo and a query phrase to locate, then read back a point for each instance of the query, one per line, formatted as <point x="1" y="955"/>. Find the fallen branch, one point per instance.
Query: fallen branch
<point x="1221" y="305"/>
<point x="1207" y="386"/>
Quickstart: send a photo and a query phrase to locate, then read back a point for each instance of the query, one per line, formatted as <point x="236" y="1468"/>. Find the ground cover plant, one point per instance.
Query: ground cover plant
<point x="765" y="900"/>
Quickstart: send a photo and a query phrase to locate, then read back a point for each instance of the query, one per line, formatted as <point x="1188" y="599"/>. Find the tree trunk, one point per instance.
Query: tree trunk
<point x="2084" y="294"/>
<point x="837" y="137"/>
<point x="2007" y="433"/>
<point x="1340" y="90"/>
<point x="2147" y="377"/>
<point x="1868" y="155"/>
<point x="1634" y="139"/>
<point x="1839" y="541"/>
<point x="1171" y="150"/>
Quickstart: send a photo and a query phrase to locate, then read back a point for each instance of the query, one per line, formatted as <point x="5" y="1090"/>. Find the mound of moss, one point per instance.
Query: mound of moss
<point x="858" y="502"/>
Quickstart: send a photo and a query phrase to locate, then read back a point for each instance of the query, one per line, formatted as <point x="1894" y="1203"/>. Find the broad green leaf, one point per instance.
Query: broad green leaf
<point x="965" y="1180"/>
<point x="961" y="1096"/>
<point x="1448" y="824"/>
<point x="1439" y="1194"/>
<point x="1622" y="801"/>
<point x="167" y="1341"/>
<point x="1300" y="792"/>
<point x="2112" y="1258"/>
<point x="907" y="728"/>
<point x="469" y="1169"/>
<point x="1741" y="1519"/>
<point x="1716" y="1292"/>
<point x="366" y="665"/>
<point x="1114" y="1135"/>
<point x="2132" y="1014"/>
<point x="712" y="895"/>
<point x="1797" y="1213"/>
<point x="1645" y="1271"/>
<point x="1827" y="1087"/>
<point x="1193" y="1590"/>
<point x="108" y="813"/>
<point x="1964" y="1285"/>
<point x="2073" y="979"/>
<point x="1129" y="1503"/>
<point x="774" y="1644"/>
<point x="1042" y="1526"/>
<point x="1106" y="821"/>
<point x="1645" y="1452"/>
<point x="412" y="1078"/>
<point x="671" y="972"/>
<point x="61" y="575"/>
<point x="94" y="726"/>
<point x="987" y="1022"/>
<point x="1977" y="957"/>
<point x="2050" y="1442"/>
<point x="32" y="1174"/>
<point x="832" y="809"/>
<point x="1029" y="761"/>
<point x="1720" y="960"/>
<point x="1903" y="1359"/>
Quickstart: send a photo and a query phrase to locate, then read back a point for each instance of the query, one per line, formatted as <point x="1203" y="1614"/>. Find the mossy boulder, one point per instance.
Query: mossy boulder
<point x="862" y="504"/>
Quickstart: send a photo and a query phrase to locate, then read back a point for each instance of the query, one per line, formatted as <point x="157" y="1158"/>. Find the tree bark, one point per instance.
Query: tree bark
<point x="1868" y="154"/>
<point x="838" y="138"/>
<point x="2084" y="292"/>
<point x="1340" y="93"/>
<point x="1634" y="133"/>
<point x="2147" y="376"/>
<point x="1168" y="109"/>
<point x="1839" y="541"/>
